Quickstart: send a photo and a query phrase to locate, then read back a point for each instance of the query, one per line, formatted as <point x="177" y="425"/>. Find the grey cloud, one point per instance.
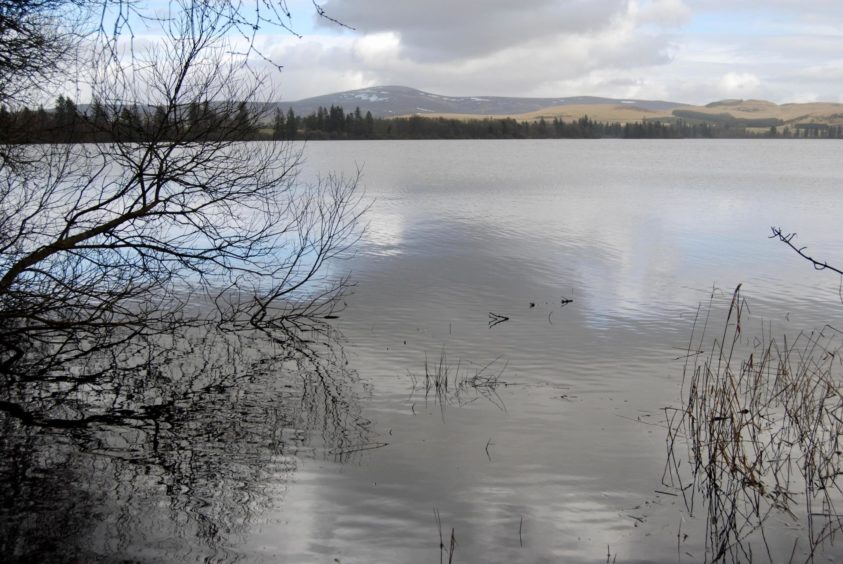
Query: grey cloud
<point x="436" y="30"/>
<point x="530" y="71"/>
<point x="571" y="47"/>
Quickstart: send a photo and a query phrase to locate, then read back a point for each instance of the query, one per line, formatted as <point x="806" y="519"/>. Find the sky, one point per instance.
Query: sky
<point x="692" y="51"/>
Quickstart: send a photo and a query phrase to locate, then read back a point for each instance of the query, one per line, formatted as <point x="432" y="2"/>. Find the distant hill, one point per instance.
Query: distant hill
<point x="394" y="101"/>
<point x="785" y="114"/>
<point x="390" y="101"/>
<point x="739" y="113"/>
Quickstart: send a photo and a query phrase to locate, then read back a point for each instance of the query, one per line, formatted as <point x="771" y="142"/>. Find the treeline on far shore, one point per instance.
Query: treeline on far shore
<point x="67" y="123"/>
<point x="335" y="123"/>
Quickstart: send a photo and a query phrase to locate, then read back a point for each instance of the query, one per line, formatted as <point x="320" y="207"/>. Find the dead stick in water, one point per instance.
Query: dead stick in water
<point x="520" y="528"/>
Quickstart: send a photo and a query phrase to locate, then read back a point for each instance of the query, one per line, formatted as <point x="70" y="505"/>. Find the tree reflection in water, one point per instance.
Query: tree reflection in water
<point x="174" y="455"/>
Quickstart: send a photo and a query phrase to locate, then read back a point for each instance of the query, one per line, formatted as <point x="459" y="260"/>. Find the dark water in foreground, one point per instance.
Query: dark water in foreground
<point x="553" y="452"/>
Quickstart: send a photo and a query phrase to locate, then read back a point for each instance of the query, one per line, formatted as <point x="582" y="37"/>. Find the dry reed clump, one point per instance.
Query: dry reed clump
<point x="761" y="421"/>
<point x="459" y="385"/>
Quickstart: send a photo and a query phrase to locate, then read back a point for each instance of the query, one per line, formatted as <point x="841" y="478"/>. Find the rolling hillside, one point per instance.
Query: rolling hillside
<point x="391" y="101"/>
<point x="397" y="101"/>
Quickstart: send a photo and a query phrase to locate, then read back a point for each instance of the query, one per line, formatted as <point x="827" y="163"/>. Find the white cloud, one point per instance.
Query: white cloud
<point x="804" y="97"/>
<point x="378" y="48"/>
<point x="740" y="84"/>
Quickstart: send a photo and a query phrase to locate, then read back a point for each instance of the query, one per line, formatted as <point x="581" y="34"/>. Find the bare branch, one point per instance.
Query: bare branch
<point x="788" y="238"/>
<point x="167" y="220"/>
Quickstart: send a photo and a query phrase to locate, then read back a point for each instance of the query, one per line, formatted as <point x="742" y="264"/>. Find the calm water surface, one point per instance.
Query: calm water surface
<point x="562" y="460"/>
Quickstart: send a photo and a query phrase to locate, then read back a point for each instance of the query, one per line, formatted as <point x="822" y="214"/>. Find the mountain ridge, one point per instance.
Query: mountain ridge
<point x="395" y="100"/>
<point x="401" y="101"/>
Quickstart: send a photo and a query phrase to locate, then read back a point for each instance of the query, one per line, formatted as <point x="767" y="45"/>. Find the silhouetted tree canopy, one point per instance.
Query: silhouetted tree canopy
<point x="164" y="219"/>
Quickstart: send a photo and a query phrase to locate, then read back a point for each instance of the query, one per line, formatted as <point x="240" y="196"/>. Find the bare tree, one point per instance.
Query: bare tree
<point x="33" y="44"/>
<point x="173" y="222"/>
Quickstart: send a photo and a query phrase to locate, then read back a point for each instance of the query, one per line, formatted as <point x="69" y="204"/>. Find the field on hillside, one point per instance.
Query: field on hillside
<point x="787" y="114"/>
